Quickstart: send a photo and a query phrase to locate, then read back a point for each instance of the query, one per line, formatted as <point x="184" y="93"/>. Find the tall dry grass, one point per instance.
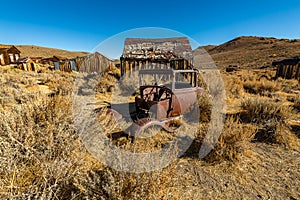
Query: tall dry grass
<point x="271" y="119"/>
<point x="296" y="102"/>
<point x="233" y="142"/>
<point x="261" y="87"/>
<point x="43" y="157"/>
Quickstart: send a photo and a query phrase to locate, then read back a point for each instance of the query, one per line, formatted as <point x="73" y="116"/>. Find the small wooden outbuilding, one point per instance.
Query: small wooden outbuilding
<point x="27" y="64"/>
<point x="94" y="62"/>
<point x="288" y="68"/>
<point x="9" y="54"/>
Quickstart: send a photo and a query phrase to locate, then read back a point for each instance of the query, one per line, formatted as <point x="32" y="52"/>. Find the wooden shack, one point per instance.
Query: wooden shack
<point x="163" y="53"/>
<point x="36" y="59"/>
<point x="9" y="54"/>
<point x="94" y="62"/>
<point x="50" y="60"/>
<point x="288" y="68"/>
<point x="27" y="64"/>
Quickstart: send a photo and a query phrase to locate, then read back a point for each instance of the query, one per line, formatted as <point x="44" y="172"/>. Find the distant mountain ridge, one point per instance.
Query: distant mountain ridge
<point x="252" y="51"/>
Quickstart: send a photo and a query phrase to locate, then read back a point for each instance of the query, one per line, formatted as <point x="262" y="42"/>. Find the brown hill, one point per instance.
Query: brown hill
<point x="38" y="51"/>
<point x="253" y="52"/>
<point x="209" y="47"/>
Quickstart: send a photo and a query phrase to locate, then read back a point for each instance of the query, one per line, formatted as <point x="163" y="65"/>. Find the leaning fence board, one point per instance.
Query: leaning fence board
<point x="91" y="63"/>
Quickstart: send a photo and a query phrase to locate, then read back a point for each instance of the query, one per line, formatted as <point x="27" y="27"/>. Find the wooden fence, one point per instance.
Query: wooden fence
<point x="91" y="63"/>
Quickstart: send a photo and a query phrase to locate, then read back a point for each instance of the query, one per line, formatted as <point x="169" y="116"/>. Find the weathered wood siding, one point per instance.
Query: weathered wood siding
<point x="288" y="68"/>
<point x="91" y="63"/>
<point x="159" y="53"/>
<point x="9" y="55"/>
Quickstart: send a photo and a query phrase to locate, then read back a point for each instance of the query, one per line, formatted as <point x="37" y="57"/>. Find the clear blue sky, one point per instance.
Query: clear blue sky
<point x="82" y="25"/>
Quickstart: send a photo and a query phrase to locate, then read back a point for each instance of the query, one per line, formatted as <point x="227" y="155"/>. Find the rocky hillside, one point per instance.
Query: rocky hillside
<point x="253" y="52"/>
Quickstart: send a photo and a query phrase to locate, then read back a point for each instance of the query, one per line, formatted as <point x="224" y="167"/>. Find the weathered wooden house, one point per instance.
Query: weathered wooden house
<point x="36" y="59"/>
<point x="27" y="64"/>
<point x="161" y="53"/>
<point x="288" y="68"/>
<point x="9" y="54"/>
<point x="49" y="61"/>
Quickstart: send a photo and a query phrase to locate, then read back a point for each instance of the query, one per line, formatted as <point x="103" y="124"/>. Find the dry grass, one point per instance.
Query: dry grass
<point x="297" y="102"/>
<point x="233" y="86"/>
<point x="271" y="119"/>
<point x="261" y="87"/>
<point x="233" y="142"/>
<point x="205" y="106"/>
<point x="253" y="52"/>
<point x="37" y="51"/>
<point x="36" y="139"/>
<point x="42" y="156"/>
<point x="260" y="110"/>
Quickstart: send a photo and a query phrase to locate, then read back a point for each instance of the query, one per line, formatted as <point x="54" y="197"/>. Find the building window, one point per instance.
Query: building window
<point x="17" y="56"/>
<point x="11" y="56"/>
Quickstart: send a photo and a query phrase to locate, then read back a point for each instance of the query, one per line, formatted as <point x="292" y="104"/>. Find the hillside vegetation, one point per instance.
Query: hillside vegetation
<point x="38" y="51"/>
<point x="253" y="52"/>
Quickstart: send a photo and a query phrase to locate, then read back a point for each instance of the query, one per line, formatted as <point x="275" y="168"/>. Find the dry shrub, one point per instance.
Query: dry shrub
<point x="115" y="72"/>
<point x="267" y="74"/>
<point x="261" y="87"/>
<point x="201" y="82"/>
<point x="39" y="148"/>
<point x="297" y="102"/>
<point x="246" y="75"/>
<point x="233" y="141"/>
<point x="271" y="119"/>
<point x="205" y="107"/>
<point x="233" y="85"/>
<point x="61" y="86"/>
<point x="38" y="141"/>
<point x="289" y="84"/>
<point x="110" y="184"/>
<point x="42" y="157"/>
<point x="106" y="82"/>
<point x="277" y="133"/>
<point x="90" y="84"/>
<point x="261" y="110"/>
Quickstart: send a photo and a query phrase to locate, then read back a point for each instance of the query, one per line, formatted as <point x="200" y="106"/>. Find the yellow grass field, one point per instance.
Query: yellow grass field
<point x="42" y="156"/>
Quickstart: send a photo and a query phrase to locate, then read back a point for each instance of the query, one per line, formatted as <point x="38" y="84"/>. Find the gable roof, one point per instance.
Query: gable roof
<point x="4" y="47"/>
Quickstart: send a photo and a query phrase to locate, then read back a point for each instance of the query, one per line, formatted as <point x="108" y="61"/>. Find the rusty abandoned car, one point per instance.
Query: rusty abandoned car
<point x="168" y="83"/>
